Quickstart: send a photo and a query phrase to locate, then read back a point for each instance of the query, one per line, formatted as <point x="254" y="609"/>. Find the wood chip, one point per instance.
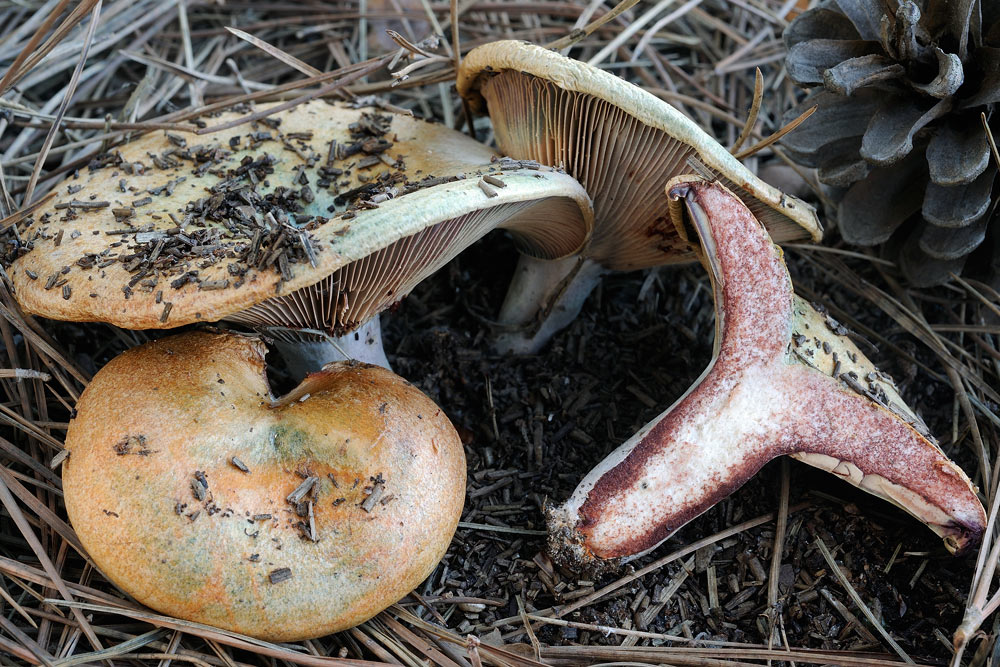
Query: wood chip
<point x="493" y="180"/>
<point x="296" y="496"/>
<point x="488" y="189"/>
<point x="378" y="488"/>
<point x="279" y="575"/>
<point x="75" y="203"/>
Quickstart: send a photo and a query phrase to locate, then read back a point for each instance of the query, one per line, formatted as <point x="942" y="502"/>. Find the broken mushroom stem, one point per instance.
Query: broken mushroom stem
<point x="781" y="383"/>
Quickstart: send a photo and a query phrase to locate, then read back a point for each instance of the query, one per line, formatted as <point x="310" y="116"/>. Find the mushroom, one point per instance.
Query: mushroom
<point x="784" y="380"/>
<point x="310" y="220"/>
<point x="203" y="497"/>
<point x="622" y="144"/>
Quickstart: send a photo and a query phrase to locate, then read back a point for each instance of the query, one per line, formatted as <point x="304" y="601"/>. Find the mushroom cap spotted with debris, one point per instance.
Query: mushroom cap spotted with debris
<point x="163" y="232"/>
<point x="202" y="497"/>
<point x="784" y="380"/>
<point x="620" y="142"/>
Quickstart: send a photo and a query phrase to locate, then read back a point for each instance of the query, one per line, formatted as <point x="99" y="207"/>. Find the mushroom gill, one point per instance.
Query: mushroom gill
<point x="621" y="161"/>
<point x="359" y="291"/>
<point x="165" y="232"/>
<point x="623" y="144"/>
<point x="387" y="250"/>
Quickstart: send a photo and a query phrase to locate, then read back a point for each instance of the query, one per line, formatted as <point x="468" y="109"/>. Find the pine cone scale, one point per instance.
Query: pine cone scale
<point x="890" y="133"/>
<point x="865" y="16"/>
<point x="941" y="243"/>
<point x="874" y="208"/>
<point x="957" y="155"/>
<point x="836" y="118"/>
<point x="855" y="73"/>
<point x="807" y="61"/>
<point x="923" y="270"/>
<point x="989" y="91"/>
<point x="950" y="76"/>
<point x="957" y="206"/>
<point x="821" y="23"/>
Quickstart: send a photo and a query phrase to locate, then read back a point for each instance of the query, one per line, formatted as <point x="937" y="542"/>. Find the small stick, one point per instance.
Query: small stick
<point x="828" y="557"/>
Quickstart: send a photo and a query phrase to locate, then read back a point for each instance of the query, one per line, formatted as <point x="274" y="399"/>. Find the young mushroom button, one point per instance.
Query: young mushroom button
<point x="781" y="382"/>
<point x="202" y="496"/>
<point x="622" y="144"/>
<point x="307" y="223"/>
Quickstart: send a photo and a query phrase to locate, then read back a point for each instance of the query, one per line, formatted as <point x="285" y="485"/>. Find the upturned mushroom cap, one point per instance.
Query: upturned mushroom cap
<point x="165" y="232"/>
<point x="784" y="380"/>
<point x="201" y="498"/>
<point x="621" y="142"/>
<point x="547" y="212"/>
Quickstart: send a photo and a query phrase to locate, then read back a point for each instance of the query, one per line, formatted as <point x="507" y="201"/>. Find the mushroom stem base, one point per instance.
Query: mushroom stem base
<point x="309" y="355"/>
<point x="543" y="298"/>
<point x="568" y="545"/>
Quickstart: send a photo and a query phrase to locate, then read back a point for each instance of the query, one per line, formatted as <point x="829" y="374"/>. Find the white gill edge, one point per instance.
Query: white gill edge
<point x="394" y="219"/>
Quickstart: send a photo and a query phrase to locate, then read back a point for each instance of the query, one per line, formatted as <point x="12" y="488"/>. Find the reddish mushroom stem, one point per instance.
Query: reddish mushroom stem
<point x="759" y="398"/>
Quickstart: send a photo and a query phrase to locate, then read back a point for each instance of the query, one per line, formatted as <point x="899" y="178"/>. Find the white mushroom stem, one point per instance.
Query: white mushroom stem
<point x="310" y="355"/>
<point x="544" y="297"/>
<point x="783" y="381"/>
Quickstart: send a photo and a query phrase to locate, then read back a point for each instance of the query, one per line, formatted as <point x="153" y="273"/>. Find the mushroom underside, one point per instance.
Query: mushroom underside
<point x="359" y="291"/>
<point x="622" y="162"/>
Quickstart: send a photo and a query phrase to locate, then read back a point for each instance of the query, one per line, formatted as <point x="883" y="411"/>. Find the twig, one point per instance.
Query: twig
<point x="828" y="557"/>
<point x="758" y="96"/>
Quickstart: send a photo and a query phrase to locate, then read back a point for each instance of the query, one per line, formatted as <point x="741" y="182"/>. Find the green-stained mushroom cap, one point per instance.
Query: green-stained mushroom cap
<point x="314" y="218"/>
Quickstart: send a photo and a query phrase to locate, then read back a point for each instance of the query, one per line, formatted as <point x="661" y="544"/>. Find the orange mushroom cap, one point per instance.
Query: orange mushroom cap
<point x="203" y="498"/>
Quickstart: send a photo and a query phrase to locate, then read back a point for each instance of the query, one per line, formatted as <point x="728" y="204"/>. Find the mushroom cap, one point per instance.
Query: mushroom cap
<point x="166" y="233"/>
<point x="547" y="212"/>
<point x="641" y="142"/>
<point x="169" y="416"/>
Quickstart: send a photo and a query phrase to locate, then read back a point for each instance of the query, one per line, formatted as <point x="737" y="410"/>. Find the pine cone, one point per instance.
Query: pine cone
<point x="900" y="86"/>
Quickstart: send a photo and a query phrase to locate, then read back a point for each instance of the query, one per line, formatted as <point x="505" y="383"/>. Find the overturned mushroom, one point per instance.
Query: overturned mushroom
<point x="781" y="382"/>
<point x="203" y="497"/>
<point x="313" y="219"/>
<point x="623" y="144"/>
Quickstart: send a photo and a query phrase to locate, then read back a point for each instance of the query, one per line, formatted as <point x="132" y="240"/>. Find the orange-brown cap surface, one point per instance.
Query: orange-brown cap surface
<point x="203" y="500"/>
